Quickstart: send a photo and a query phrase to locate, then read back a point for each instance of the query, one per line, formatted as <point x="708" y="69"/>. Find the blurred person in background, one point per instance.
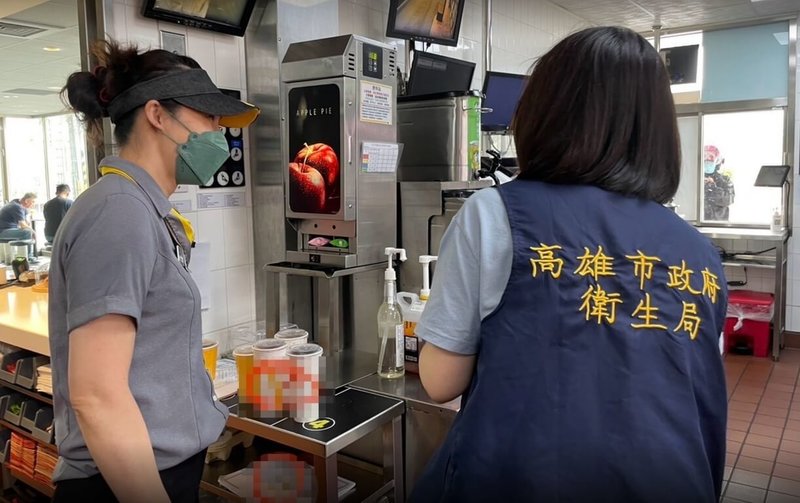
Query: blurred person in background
<point x="719" y="192"/>
<point x="14" y="218"/>
<point x="55" y="210"/>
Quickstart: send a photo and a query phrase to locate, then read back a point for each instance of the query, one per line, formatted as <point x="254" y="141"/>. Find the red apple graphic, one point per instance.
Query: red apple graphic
<point x="306" y="189"/>
<point x="323" y="158"/>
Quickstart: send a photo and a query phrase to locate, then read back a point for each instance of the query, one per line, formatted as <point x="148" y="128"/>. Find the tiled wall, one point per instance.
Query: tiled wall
<point x="523" y="30"/>
<point x="229" y="231"/>
<point x="793" y="280"/>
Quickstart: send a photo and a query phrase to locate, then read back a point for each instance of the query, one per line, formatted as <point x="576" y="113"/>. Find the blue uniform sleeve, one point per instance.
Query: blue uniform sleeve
<point x="470" y="277"/>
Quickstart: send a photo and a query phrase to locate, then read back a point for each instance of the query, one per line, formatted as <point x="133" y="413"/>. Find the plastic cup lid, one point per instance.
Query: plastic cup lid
<point x="243" y="350"/>
<point x="207" y="343"/>
<point x="304" y="350"/>
<point x="269" y="345"/>
<point x="291" y="333"/>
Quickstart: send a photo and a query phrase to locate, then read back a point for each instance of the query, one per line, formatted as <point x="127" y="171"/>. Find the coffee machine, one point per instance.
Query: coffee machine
<point x="339" y="142"/>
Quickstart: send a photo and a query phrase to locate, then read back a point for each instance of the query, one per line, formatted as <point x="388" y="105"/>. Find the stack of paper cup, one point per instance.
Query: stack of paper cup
<point x="292" y="336"/>
<point x="271" y="369"/>
<point x="305" y="383"/>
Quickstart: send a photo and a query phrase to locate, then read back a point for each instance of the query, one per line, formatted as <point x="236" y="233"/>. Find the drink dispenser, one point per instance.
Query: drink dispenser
<point x="339" y="143"/>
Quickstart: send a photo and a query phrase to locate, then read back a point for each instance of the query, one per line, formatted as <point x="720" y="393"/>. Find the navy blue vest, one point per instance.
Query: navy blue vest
<point x="599" y="376"/>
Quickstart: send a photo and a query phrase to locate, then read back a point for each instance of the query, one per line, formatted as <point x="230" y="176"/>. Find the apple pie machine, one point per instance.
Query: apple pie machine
<point x="339" y="140"/>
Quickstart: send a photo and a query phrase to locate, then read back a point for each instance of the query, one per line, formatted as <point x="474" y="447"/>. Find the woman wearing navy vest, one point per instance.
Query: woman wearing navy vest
<point x="578" y="317"/>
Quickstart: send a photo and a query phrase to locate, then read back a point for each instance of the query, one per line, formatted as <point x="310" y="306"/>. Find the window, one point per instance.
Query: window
<point x="740" y="143"/>
<point x="41" y="152"/>
<point x="66" y="154"/>
<point x="25" y="157"/>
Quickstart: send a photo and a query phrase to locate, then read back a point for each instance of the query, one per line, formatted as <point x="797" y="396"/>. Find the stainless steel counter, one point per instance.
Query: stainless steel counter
<point x="779" y="263"/>
<point x="408" y="388"/>
<point x="426" y="422"/>
<point x="347" y="366"/>
<point x="744" y="233"/>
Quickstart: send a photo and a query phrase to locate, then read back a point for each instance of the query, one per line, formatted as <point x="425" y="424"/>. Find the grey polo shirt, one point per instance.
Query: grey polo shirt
<point x="113" y="255"/>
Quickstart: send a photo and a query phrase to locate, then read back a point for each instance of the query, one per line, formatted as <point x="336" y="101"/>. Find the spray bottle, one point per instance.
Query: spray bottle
<point x="412" y="306"/>
<point x="390" y="323"/>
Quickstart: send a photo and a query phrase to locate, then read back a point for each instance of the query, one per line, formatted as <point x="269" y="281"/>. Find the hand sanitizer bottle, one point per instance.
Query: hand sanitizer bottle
<point x="777" y="221"/>
<point x="390" y="324"/>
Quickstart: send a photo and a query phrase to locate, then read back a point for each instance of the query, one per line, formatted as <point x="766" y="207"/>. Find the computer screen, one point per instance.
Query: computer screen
<point x="432" y="74"/>
<point x="502" y="92"/>
<point x="230" y="16"/>
<point x="772" y="176"/>
<point x="436" y="22"/>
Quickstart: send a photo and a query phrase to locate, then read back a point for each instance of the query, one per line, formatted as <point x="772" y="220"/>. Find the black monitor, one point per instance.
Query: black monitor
<point x="437" y="22"/>
<point x="502" y="92"/>
<point x="772" y="176"/>
<point x="681" y="63"/>
<point x="225" y="16"/>
<point x="434" y="74"/>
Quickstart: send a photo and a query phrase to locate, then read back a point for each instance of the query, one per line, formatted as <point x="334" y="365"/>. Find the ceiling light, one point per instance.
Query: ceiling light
<point x="55" y="88"/>
<point x="51" y="48"/>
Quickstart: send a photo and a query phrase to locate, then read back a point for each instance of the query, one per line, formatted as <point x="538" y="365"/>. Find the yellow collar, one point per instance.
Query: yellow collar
<point x="185" y="223"/>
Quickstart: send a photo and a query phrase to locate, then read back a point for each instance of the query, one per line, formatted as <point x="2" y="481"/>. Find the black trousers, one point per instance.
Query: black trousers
<point x="182" y="483"/>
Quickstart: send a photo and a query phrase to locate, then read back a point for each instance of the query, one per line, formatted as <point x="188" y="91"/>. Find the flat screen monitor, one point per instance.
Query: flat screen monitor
<point x="433" y="74"/>
<point x="502" y="92"/>
<point x="681" y="63"/>
<point x="226" y="16"/>
<point x="434" y="21"/>
<point x="772" y="176"/>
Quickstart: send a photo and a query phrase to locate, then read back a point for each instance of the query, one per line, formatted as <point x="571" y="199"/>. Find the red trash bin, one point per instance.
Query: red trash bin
<point x="752" y="311"/>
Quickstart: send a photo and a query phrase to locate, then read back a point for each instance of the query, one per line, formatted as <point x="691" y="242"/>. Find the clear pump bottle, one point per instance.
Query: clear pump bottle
<point x="390" y="324"/>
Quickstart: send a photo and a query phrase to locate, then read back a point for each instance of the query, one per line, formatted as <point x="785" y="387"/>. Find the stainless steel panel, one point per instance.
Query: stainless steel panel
<point x="266" y="167"/>
<point x="421" y="206"/>
<point x="434" y="137"/>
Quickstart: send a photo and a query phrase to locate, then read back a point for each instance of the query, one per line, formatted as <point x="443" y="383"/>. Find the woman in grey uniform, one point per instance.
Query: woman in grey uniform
<point x="135" y="409"/>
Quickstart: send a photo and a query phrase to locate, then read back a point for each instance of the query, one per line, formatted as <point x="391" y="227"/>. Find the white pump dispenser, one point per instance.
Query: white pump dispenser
<point x="389" y="274"/>
<point x="426" y="260"/>
<point x="390" y="323"/>
<point x="412" y="306"/>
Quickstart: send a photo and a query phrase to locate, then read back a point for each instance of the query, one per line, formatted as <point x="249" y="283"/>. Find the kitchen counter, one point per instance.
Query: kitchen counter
<point x="744" y="233"/>
<point x="23" y="319"/>
<point x="408" y="388"/>
<point x="779" y="262"/>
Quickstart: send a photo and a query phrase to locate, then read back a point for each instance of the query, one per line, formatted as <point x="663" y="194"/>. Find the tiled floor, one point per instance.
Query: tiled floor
<point x="763" y="461"/>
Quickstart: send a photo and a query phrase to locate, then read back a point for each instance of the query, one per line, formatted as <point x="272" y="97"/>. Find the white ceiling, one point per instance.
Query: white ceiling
<point x="26" y="66"/>
<point x="641" y="15"/>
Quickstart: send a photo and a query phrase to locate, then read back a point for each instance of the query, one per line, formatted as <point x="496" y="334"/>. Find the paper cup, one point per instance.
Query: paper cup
<point x="271" y="377"/>
<point x="293" y="336"/>
<point x="269" y="349"/>
<point x="243" y="355"/>
<point x="305" y="381"/>
<point x="210" y="349"/>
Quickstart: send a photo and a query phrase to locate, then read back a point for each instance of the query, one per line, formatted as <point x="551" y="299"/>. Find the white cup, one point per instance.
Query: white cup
<point x="292" y="336"/>
<point x="305" y="382"/>
<point x="272" y="376"/>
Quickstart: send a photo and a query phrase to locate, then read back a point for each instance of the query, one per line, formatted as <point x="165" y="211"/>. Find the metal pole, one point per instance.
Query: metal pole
<point x="487" y="35"/>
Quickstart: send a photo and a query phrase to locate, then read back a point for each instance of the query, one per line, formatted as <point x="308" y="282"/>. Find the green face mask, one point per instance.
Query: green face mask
<point x="200" y="157"/>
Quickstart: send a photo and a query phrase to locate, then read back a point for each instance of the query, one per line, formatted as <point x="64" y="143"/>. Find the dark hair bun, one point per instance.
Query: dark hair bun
<point x="83" y="95"/>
